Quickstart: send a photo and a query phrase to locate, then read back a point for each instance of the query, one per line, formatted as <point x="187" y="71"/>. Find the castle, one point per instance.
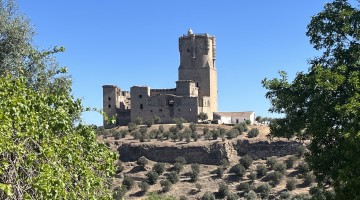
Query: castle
<point x="195" y="92"/>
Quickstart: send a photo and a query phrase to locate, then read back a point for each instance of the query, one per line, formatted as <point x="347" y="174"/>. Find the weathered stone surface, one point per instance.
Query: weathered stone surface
<point x="210" y="153"/>
<point x="263" y="149"/>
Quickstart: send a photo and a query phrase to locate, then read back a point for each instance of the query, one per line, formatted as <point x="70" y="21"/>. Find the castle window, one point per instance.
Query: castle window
<point x="140" y="96"/>
<point x="150" y="110"/>
<point x="188" y="50"/>
<point x="160" y="110"/>
<point x="179" y="109"/>
<point x="197" y="84"/>
<point x="109" y="106"/>
<point x="141" y="106"/>
<point x="109" y="98"/>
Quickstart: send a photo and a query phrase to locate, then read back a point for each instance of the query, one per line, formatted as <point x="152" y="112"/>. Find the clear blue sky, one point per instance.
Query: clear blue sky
<point x="135" y="42"/>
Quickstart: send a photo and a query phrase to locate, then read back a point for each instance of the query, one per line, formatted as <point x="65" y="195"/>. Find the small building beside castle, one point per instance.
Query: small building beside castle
<point x="195" y="91"/>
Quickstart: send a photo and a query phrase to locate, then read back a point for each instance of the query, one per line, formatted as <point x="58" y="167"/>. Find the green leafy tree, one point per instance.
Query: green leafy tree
<point x="203" y="116"/>
<point x="323" y="104"/>
<point x="43" y="154"/>
<point x="39" y="142"/>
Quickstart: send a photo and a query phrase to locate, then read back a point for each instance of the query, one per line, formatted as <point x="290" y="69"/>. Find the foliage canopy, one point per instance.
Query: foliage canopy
<point x="324" y="103"/>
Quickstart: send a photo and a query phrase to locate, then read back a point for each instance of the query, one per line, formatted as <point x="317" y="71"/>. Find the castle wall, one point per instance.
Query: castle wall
<point x="154" y="92"/>
<point x="186" y="88"/>
<point x="167" y="107"/>
<point x="195" y="92"/>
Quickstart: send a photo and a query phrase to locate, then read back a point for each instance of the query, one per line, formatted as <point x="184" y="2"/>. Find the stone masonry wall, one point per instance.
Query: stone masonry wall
<point x="211" y="153"/>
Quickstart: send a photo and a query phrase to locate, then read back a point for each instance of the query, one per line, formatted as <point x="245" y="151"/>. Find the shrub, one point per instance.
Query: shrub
<point x="261" y="170"/>
<point x="309" y="179"/>
<point x="303" y="167"/>
<point x="254" y="132"/>
<point x="221" y="131"/>
<point x="243" y="186"/>
<point x="152" y="177"/>
<point x="215" y="134"/>
<point x="179" y="122"/>
<point x="195" y="167"/>
<point x="192" y="127"/>
<point x="208" y="136"/>
<point x="161" y="128"/>
<point x="206" y="130"/>
<point x="178" y="167"/>
<point x="156" y="119"/>
<point x="174" y="136"/>
<point x="279" y="167"/>
<point x="300" y="151"/>
<point x="138" y="121"/>
<point x="143" y="130"/>
<point x="291" y="184"/>
<point x="251" y="195"/>
<point x="318" y="193"/>
<point x="264" y="190"/>
<point x="232" y="196"/>
<point x="224" y="163"/>
<point x="270" y="162"/>
<point x="233" y="133"/>
<point x="165" y="185"/>
<point x="167" y="134"/>
<point x="128" y="182"/>
<point x="181" y="136"/>
<point x="202" y="116"/>
<point x="274" y="177"/>
<point x="173" y="177"/>
<point x="153" y="134"/>
<point x="219" y="172"/>
<point x="132" y="126"/>
<point x="142" y="162"/>
<point x="290" y="162"/>
<point x="223" y="190"/>
<point x="149" y="122"/>
<point x="238" y="170"/>
<point x="194" y="136"/>
<point x="159" y="168"/>
<point x="302" y="196"/>
<point x="208" y="196"/>
<point x="246" y="161"/>
<point x="194" y="176"/>
<point x="144" y="186"/>
<point x="285" y="195"/>
<point x="252" y="176"/>
<point x="119" y="192"/>
<point x="242" y="127"/>
<point x="180" y="159"/>
<point x="248" y="122"/>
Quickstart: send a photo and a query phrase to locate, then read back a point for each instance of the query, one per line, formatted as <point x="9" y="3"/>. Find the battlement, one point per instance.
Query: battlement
<point x="109" y="86"/>
<point x="195" y="92"/>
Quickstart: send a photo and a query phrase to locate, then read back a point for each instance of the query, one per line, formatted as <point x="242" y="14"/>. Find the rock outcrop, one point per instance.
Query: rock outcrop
<point x="207" y="153"/>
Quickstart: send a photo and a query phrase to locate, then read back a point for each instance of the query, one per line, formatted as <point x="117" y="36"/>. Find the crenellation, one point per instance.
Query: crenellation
<point x="195" y="92"/>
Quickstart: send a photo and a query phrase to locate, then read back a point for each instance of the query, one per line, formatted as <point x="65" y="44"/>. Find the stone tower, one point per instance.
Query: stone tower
<point x="197" y="63"/>
<point x="110" y="99"/>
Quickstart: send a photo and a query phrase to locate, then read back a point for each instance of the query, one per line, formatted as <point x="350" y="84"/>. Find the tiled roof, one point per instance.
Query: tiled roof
<point x="234" y="114"/>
